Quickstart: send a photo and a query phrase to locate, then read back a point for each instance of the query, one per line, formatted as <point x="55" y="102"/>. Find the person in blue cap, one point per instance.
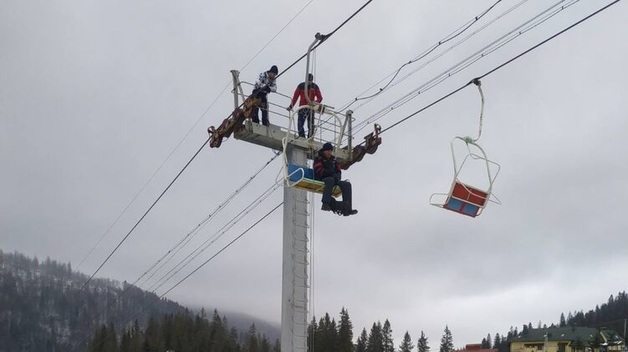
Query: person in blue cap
<point x="328" y="170"/>
<point x="264" y="85"/>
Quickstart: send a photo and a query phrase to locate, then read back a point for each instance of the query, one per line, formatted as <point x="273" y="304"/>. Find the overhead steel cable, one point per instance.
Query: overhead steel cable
<point x="545" y="41"/>
<point x="222" y="249"/>
<point x="145" y="213"/>
<point x="550" y="38"/>
<point x="441" y="54"/>
<point x="457" y="32"/>
<point x="212" y="239"/>
<point x="188" y="237"/>
<point x="159" y="297"/>
<point x="482" y="53"/>
<point x="147" y="182"/>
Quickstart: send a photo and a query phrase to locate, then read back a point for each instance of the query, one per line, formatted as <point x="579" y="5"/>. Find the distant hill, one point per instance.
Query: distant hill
<point x="43" y="306"/>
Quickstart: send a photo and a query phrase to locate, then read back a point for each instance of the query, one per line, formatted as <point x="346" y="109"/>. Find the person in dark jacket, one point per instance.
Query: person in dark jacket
<point x="327" y="169"/>
<point x="315" y="96"/>
<point x="264" y="85"/>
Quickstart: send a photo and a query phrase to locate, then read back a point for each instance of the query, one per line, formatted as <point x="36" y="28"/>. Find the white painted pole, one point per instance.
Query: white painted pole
<point x="294" y="271"/>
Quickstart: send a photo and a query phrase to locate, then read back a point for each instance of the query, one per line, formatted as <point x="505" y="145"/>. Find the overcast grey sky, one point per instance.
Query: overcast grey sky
<point x="94" y="96"/>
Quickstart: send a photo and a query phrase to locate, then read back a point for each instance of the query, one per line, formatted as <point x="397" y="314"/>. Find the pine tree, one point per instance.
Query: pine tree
<point x="125" y="341"/>
<point x="497" y="342"/>
<point x="563" y="322"/>
<point x="252" y="342"/>
<point x="406" y="345"/>
<point x="137" y="336"/>
<point x="264" y="344"/>
<point x="360" y="345"/>
<point x="387" y="339"/>
<point x="98" y="342"/>
<point x="112" y="339"/>
<point x="345" y="332"/>
<point x="375" y="342"/>
<point x="446" y="342"/>
<point x="327" y="337"/>
<point x="153" y="337"/>
<point x="217" y="333"/>
<point x="104" y="340"/>
<point x="421" y="344"/>
<point x="312" y="333"/>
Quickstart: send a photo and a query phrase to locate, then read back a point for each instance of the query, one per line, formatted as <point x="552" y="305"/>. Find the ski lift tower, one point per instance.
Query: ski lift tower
<point x="331" y="126"/>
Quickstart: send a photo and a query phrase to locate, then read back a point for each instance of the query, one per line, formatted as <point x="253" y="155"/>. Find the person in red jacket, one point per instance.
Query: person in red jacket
<point x="327" y="169"/>
<point x="315" y="97"/>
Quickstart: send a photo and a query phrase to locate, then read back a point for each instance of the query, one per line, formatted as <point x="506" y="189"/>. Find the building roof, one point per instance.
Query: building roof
<point x="557" y="334"/>
<point x="475" y="347"/>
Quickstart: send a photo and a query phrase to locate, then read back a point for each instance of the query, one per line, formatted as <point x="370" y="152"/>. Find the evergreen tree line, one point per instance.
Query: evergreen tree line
<point x="181" y="333"/>
<point x="610" y="315"/>
<point x="324" y="334"/>
<point x="327" y="335"/>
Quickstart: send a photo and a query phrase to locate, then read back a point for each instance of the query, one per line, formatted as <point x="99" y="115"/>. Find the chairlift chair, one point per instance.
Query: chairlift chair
<point x="464" y="198"/>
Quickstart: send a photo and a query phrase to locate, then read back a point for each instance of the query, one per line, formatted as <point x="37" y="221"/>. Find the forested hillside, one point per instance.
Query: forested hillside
<point x="611" y="315"/>
<point x="44" y="307"/>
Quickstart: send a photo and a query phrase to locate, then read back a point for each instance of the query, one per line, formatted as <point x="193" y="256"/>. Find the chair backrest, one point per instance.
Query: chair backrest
<point x="469" y="194"/>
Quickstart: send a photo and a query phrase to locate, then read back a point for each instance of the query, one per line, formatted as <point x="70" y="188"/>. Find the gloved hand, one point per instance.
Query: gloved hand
<point x="289" y="108"/>
<point x="266" y="89"/>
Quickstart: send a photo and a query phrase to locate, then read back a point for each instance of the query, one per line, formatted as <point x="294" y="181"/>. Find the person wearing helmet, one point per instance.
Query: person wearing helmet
<point x="328" y="170"/>
<point x="264" y="85"/>
<point x="314" y="95"/>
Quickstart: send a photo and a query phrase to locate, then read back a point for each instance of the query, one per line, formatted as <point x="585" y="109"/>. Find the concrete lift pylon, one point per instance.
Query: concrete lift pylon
<point x="295" y="289"/>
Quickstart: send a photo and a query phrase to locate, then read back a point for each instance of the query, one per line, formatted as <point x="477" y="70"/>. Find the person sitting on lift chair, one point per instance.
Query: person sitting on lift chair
<point x="327" y="169"/>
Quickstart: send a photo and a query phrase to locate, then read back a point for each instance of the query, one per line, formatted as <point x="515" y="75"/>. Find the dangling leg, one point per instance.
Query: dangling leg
<point x="345" y="187"/>
<point x="326" y="200"/>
